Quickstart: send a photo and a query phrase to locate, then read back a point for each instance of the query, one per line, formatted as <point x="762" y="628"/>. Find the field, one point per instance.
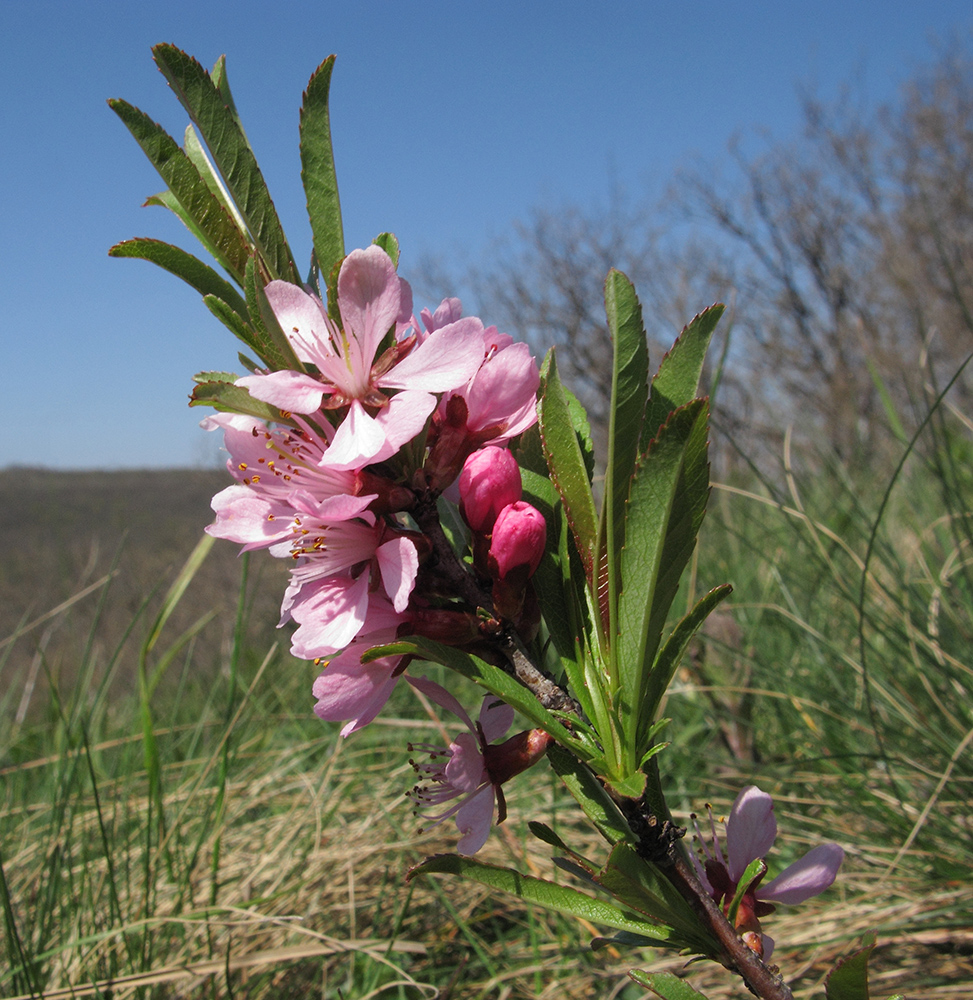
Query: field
<point x="175" y="821"/>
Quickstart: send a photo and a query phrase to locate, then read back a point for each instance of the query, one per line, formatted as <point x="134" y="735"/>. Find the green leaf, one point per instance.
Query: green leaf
<point x="216" y="389"/>
<point x="201" y="210"/>
<point x="389" y="244"/>
<point x="485" y="674"/>
<point x="666" y="506"/>
<point x="630" y="373"/>
<point x="234" y="322"/>
<point x="642" y="887"/>
<point x="756" y="867"/>
<point x="597" y="804"/>
<point x="183" y="265"/>
<point x="675" y="646"/>
<point x="677" y="380"/>
<point x="231" y="153"/>
<point x="318" y="170"/>
<point x="566" y="463"/>
<point x="550" y="895"/>
<point x="665" y="985"/>
<point x="848" y="980"/>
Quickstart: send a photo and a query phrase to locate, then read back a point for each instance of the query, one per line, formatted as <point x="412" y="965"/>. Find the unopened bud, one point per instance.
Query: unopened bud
<point x="519" y="537"/>
<point x="490" y="481"/>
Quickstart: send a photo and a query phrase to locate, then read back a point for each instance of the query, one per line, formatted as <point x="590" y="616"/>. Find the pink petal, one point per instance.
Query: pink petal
<point x="447" y="359"/>
<point x="370" y="300"/>
<point x="504" y="389"/>
<point x="401" y="421"/>
<point x="303" y="320"/>
<point x="496" y="717"/>
<point x="807" y="877"/>
<point x="465" y="769"/>
<point x="330" y="614"/>
<point x="357" y="441"/>
<point x="750" y="830"/>
<point x="351" y="690"/>
<point x="287" y="390"/>
<point x="438" y="694"/>
<point x="474" y="819"/>
<point x="398" y="561"/>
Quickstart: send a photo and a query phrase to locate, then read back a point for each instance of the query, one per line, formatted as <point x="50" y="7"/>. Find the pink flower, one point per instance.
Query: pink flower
<point x="490" y="481"/>
<point x="348" y="690"/>
<point x="518" y="540"/>
<point x="750" y="833"/>
<point x="470" y="771"/>
<point x="374" y="303"/>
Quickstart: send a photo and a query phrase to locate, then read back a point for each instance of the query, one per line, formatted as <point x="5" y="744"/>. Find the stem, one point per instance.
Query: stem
<point x="658" y="843"/>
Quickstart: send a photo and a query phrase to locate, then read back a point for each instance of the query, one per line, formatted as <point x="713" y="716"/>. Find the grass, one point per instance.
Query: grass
<point x="174" y="821"/>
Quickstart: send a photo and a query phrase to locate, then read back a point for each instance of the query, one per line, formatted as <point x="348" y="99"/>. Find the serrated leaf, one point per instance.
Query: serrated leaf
<point x="665" y="985"/>
<point x="630" y="390"/>
<point x="229" y="398"/>
<point x="677" y="380"/>
<point x="318" y="170"/>
<point x="183" y="265"/>
<point x="231" y="155"/>
<point x="235" y="323"/>
<point x="210" y="220"/>
<point x="848" y="980"/>
<point x="550" y="895"/>
<point x="596" y="803"/>
<point x="666" y="505"/>
<point x="673" y="649"/>
<point x="641" y="886"/>
<point x="566" y="463"/>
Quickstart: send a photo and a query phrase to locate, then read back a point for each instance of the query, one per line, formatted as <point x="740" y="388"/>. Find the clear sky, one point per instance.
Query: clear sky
<point x="450" y="120"/>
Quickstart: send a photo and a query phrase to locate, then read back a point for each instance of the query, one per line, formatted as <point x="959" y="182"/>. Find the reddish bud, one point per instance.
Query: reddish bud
<point x="519" y="537"/>
<point x="490" y="481"/>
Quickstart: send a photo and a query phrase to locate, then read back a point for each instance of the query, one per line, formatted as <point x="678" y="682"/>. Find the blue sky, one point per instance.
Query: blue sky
<point x="450" y="121"/>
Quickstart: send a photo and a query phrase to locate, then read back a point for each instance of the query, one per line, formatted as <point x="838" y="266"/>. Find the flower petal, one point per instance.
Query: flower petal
<point x="438" y="694"/>
<point x="465" y="769"/>
<point x="330" y="613"/>
<point x="398" y="561"/>
<point x="370" y="300"/>
<point x="496" y="717"/>
<point x="750" y="830"/>
<point x="357" y="441"/>
<point x="473" y="820"/>
<point x="447" y="359"/>
<point x="287" y="390"/>
<point x="351" y="690"/>
<point x="807" y="877"/>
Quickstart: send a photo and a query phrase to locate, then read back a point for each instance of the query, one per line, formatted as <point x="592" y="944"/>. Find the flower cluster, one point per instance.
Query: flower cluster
<point x="376" y="420"/>
<point x="751" y="830"/>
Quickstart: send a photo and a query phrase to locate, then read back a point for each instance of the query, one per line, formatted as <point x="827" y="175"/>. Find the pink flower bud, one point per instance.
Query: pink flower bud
<point x="490" y="481"/>
<point x="519" y="536"/>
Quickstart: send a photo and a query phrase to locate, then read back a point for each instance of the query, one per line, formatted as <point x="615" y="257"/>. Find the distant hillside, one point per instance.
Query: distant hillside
<point x="62" y="531"/>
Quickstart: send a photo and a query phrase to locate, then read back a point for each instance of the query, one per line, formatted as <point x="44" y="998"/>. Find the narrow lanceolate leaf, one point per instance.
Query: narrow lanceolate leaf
<point x="235" y="323"/>
<point x="566" y="463"/>
<point x="630" y="373"/>
<point x="666" y="506"/>
<point x="184" y="265"/>
<point x="642" y="887"/>
<point x="665" y="985"/>
<point x="216" y="389"/>
<point x="231" y="154"/>
<point x="550" y="895"/>
<point x="269" y="340"/>
<point x="677" y="380"/>
<point x="318" y="171"/>
<point x="222" y="236"/>
<point x="597" y="804"/>
<point x="485" y="674"/>
<point x="672" y="652"/>
<point x="848" y="980"/>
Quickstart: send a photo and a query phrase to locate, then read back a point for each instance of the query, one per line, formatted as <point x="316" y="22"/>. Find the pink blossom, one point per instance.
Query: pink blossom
<point x="750" y="834"/>
<point x="490" y="480"/>
<point x="348" y="690"/>
<point x="373" y="302"/>
<point x="518" y="540"/>
<point x="470" y="771"/>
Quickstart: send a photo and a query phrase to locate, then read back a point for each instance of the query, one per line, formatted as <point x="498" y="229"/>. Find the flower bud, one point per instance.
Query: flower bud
<point x="490" y="481"/>
<point x="519" y="537"/>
